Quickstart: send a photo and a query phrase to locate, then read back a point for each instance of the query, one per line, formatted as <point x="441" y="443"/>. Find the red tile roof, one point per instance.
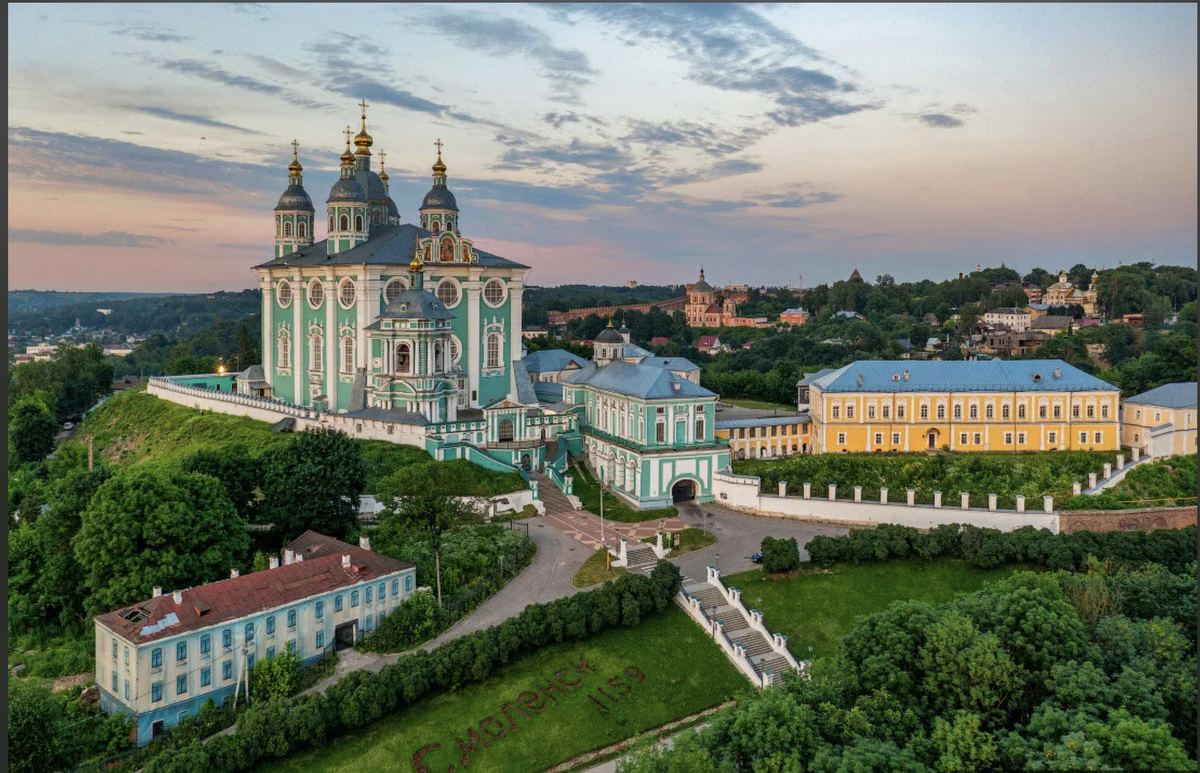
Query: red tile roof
<point x="656" y="340"/>
<point x="320" y="571"/>
<point x="706" y="342"/>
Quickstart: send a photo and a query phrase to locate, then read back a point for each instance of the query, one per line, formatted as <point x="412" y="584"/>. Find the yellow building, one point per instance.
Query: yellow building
<point x="991" y="405"/>
<point x="766" y="438"/>
<point x="1161" y="422"/>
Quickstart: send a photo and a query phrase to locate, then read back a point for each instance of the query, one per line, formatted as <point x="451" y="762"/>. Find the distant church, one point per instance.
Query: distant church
<point x="407" y="317"/>
<point x="1064" y="293"/>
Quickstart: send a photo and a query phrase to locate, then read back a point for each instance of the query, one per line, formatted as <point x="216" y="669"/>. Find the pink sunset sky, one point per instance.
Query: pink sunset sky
<point x="609" y="143"/>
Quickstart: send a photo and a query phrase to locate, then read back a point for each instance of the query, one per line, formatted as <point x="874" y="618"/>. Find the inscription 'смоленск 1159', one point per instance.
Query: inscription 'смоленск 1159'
<point x="434" y="759"/>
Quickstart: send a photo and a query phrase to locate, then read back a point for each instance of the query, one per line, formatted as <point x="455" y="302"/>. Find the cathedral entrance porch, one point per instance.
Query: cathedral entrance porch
<point x="683" y="491"/>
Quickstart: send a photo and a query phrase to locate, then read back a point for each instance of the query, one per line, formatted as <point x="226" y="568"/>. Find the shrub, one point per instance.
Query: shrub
<point x="780" y="555"/>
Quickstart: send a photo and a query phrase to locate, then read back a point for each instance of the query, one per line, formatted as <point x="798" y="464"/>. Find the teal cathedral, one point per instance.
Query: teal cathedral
<point x="407" y="331"/>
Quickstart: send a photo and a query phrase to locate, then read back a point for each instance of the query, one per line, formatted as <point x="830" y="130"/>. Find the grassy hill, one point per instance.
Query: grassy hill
<point x="33" y="300"/>
<point x="137" y="428"/>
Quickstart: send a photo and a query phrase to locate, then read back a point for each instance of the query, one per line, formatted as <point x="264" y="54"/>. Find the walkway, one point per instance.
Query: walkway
<point x="585" y="527"/>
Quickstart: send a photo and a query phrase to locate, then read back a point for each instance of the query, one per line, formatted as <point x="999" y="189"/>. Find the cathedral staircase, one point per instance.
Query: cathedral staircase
<point x="762" y="656"/>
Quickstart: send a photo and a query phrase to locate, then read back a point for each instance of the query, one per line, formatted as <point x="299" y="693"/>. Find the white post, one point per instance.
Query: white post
<point x="912" y="497"/>
<point x="1048" y="503"/>
<point x="858" y="493"/>
<point x="808" y="491"/>
<point x="1137" y="454"/>
<point x="883" y="495"/>
<point x="783" y="488"/>
<point x="966" y="500"/>
<point x="1076" y="488"/>
<point x="992" y="502"/>
<point x="937" y="499"/>
<point x="1020" y="503"/>
<point x="1120" y="461"/>
<point x="833" y="492"/>
<point x="1091" y="480"/>
<point x="1107" y="470"/>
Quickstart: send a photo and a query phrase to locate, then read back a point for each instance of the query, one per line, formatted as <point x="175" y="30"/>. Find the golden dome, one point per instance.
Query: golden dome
<point x="295" y="167"/>
<point x="438" y="166"/>
<point x="415" y="264"/>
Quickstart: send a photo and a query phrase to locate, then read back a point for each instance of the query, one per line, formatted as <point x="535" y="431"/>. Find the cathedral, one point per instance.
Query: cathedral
<point x="1064" y="293"/>
<point x="405" y="316"/>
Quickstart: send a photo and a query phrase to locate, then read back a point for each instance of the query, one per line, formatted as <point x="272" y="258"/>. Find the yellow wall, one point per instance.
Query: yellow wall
<point x="1139" y="418"/>
<point x="897" y="423"/>
<point x="790" y="435"/>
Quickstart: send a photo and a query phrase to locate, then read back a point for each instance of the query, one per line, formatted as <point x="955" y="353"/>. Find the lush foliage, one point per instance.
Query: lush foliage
<point x="1007" y="678"/>
<point x="1164" y="483"/>
<point x="457" y="477"/>
<point x="32" y="426"/>
<point x="587" y="489"/>
<point x="313" y="482"/>
<point x="1006" y="475"/>
<point x="274" y="728"/>
<point x="144" y="528"/>
<point x="780" y="555"/>
<point x="56" y="732"/>
<point x="74" y="378"/>
<point x="277" y="677"/>
<point x="1173" y="548"/>
<point x="468" y="553"/>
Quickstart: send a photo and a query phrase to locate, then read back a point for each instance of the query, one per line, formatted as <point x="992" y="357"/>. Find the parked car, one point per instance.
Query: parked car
<point x="756" y="558"/>
<point x="720" y="407"/>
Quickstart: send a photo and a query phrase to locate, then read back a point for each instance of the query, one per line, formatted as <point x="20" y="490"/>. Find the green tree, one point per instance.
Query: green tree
<point x="313" y="482"/>
<point x="146" y="528"/>
<point x="238" y="471"/>
<point x="277" y="677"/>
<point x="32" y="426"/>
<point x="419" y="503"/>
<point x="32" y="722"/>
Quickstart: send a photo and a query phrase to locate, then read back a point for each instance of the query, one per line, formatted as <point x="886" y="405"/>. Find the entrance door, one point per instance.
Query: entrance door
<point x="156" y="729"/>
<point x="344" y="635"/>
<point x="525" y="462"/>
<point x="931" y="437"/>
<point x="505" y="431"/>
<point x="683" y="491"/>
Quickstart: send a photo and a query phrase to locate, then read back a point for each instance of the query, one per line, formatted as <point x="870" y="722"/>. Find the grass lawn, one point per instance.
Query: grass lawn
<point x="595" y="570"/>
<point x="684" y="672"/>
<point x="588" y="491"/>
<point x="689" y="540"/>
<point x="759" y="405"/>
<point x="818" y="607"/>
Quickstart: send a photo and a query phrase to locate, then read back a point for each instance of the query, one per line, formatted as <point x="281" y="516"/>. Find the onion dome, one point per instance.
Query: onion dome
<point x="392" y="210"/>
<point x="702" y="286"/>
<point x="349" y="190"/>
<point x="383" y="175"/>
<point x="609" y="335"/>
<point x="295" y="198"/>
<point x="362" y="140"/>
<point x="439" y="196"/>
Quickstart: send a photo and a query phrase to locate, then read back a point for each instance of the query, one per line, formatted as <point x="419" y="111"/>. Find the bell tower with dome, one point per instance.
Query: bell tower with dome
<point x="347" y="204"/>
<point x="439" y="210"/>
<point x="294" y="212"/>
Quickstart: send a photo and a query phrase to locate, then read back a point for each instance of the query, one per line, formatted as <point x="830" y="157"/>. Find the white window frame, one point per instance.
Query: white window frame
<point x="347" y="354"/>
<point x="283" y="343"/>
<point x="341" y="290"/>
<point x="314" y="285"/>
<point x="395" y="281"/>
<point x="316" y="352"/>
<point x="283" y="287"/>
<point x="489" y="362"/>
<point x="458" y="294"/>
<point x="841" y="438"/>
<point x="492" y="282"/>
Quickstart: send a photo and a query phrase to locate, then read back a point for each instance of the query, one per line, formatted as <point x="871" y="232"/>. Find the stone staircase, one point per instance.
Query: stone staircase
<point x="762" y="656"/>
<point x="555" y="501"/>
<point x="640" y="558"/>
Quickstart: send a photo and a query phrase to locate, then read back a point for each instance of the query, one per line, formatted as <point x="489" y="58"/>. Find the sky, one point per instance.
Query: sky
<point x="769" y="143"/>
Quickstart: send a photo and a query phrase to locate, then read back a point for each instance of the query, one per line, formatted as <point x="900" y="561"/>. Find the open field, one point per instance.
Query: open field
<point x="815" y="607"/>
<point x="635" y="679"/>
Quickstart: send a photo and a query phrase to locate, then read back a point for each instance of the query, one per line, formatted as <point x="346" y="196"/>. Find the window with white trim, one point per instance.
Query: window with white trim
<point x="284" y="354"/>
<point x="287" y="230"/>
<point x="393" y="288"/>
<point x="1098" y="436"/>
<point x="958" y="412"/>
<point x="447" y="293"/>
<point x="870" y="411"/>
<point x="346" y="293"/>
<point x="887" y="410"/>
<point x="1091" y="411"/>
<point x="284" y="293"/>
<point x="492" y="352"/>
<point x="1021" y="438"/>
<point x="989" y="412"/>
<point x="493" y="293"/>
<point x="316" y="352"/>
<point x="1005" y="411"/>
<point x="302" y="229"/>
<point x="1057" y="411"/>
<point x="941" y="411"/>
<point x="924" y="411"/>
<point x="841" y="438"/>
<point x="978" y="439"/>
<point x="962" y="439"/>
<point x="1104" y="411"/>
<point x="1083" y="437"/>
<point x="878" y="438"/>
<point x="895" y="438"/>
<point x="347" y="354"/>
<point x="836" y="412"/>
<point x="900" y="411"/>
<point x="316" y="294"/>
<point x="974" y="412"/>
<point x="1008" y="438"/>
<point x="1051" y="437"/>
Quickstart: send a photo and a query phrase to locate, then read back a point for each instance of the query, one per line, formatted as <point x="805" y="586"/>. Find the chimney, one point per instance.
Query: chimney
<point x="233" y="574"/>
<point x="177" y="596"/>
<point x="906" y="375"/>
<point x="1058" y="372"/>
<point x="273" y="562"/>
<point x="860" y="379"/>
<point x="346" y="561"/>
<point x="156" y="592"/>
<point x="289" y="556"/>
<point x="364" y="543"/>
<point x="299" y="558"/>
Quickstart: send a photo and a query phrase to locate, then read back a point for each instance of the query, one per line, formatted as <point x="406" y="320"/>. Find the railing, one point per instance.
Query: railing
<point x="733" y="597"/>
<point x="268" y="403"/>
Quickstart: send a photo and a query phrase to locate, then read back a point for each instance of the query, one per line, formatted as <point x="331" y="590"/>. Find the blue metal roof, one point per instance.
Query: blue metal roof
<point x="766" y="421"/>
<point x="1169" y="396"/>
<point x="525" y="391"/>
<point x="547" y="392"/>
<point x="644" y="381"/>
<point x="811" y="377"/>
<point x="976" y="376"/>
<point x="548" y="360"/>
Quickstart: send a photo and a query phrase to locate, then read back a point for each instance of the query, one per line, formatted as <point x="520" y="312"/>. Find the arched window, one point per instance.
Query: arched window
<point x="375" y="217"/>
<point x="958" y="412"/>
<point x="989" y="412"/>
<point x="504" y="432"/>
<point x="331" y="222"/>
<point x="287" y="229"/>
<point x="974" y="412"/>
<point x="403" y="360"/>
<point x="941" y="411"/>
<point x="1005" y="412"/>
<point x="924" y="411"/>
<point x="447" y="252"/>
<point x="303" y="229"/>
<point x="316" y="355"/>
<point x="436" y="227"/>
<point x="492" y="357"/>
<point x="1021" y="411"/>
<point x="346" y="293"/>
<point x="345" y="223"/>
<point x="358" y="223"/>
<point x="437" y="357"/>
<point x="393" y="288"/>
<point x="447" y="293"/>
<point x="347" y="354"/>
<point x="285" y="350"/>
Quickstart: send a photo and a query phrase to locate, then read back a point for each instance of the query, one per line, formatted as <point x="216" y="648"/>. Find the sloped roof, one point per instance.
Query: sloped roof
<point x="808" y="378"/>
<point x="387" y="414"/>
<point x="766" y="421"/>
<point x="633" y="350"/>
<point x="707" y="341"/>
<point x="321" y="571"/>
<point x="525" y="393"/>
<point x="967" y="376"/>
<point x="1053" y="322"/>
<point x="413" y="304"/>
<point x="680" y="364"/>
<point x="1181" y="395"/>
<point x="547" y="392"/>
<point x="548" y="360"/>
<point x="387" y="245"/>
<point x="643" y="381"/>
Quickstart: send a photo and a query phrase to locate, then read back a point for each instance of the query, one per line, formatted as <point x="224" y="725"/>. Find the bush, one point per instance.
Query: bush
<point x="278" y="677"/>
<point x="1174" y="549"/>
<point x="780" y="555"/>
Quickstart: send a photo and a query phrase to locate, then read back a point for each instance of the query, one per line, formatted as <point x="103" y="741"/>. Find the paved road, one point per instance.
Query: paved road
<point x="739" y="536"/>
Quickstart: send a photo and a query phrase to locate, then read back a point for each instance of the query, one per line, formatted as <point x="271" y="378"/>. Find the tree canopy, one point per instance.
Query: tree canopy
<point x="314" y="482"/>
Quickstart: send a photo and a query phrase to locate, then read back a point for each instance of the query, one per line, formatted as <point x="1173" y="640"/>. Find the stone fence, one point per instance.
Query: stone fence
<point x="1145" y="519"/>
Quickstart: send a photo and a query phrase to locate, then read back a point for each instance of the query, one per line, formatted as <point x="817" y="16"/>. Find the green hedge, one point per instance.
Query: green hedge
<point x="1003" y="474"/>
<point x="1165" y="483"/>
<point x="1174" y="549"/>
<point x="276" y="727"/>
<point x="780" y="555"/>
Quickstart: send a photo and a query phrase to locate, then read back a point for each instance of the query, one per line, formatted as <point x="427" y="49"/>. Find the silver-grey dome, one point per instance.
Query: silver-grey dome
<point x="392" y="209"/>
<point x="373" y="185"/>
<point x="295" y="198"/>
<point x="440" y="197"/>
<point x="347" y="189"/>
<point x="609" y="335"/>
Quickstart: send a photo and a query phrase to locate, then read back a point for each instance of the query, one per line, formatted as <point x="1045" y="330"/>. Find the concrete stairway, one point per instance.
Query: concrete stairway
<point x="640" y="558"/>
<point x="556" y="502"/>
<point x="767" y="662"/>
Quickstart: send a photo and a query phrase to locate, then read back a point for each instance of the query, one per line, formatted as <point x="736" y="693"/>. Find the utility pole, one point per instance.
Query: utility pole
<point x="90" y="456"/>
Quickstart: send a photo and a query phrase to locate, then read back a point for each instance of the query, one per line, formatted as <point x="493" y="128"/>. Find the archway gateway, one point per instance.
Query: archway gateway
<point x="683" y="491"/>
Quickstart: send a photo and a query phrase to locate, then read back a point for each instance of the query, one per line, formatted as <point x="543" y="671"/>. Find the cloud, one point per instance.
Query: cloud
<point x="70" y="238"/>
<point x="276" y="67"/>
<point x="796" y="199"/>
<point x="567" y="69"/>
<point x="199" y="120"/>
<point x="708" y="138"/>
<point x="374" y="92"/>
<point x="597" y="156"/>
<point x="150" y="34"/>
<point x="216" y="74"/>
<point x="558" y="119"/>
<point x="940" y="121"/>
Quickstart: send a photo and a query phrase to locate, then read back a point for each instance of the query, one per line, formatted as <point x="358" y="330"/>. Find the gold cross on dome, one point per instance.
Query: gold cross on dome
<point x="439" y="145"/>
<point x="382" y="157"/>
<point x="348" y="134"/>
<point x="364" y="105"/>
<point x="295" y="147"/>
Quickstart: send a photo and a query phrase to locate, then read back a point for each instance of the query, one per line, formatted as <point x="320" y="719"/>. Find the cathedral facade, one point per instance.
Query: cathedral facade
<point x="1064" y="293"/>
<point x="403" y="316"/>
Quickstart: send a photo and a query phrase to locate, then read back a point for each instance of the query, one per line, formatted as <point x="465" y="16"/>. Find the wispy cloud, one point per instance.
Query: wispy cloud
<point x="567" y="69"/>
<point x="941" y="121"/>
<point x="150" y="34"/>
<point x="710" y="139"/>
<point x="70" y="238"/>
<point x="935" y="116"/>
<point x="216" y="74"/>
<point x="199" y="120"/>
<point x="558" y="120"/>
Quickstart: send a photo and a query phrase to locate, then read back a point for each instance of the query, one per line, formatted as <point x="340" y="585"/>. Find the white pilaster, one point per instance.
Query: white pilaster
<point x="331" y="340"/>
<point x="268" y="339"/>
<point x="473" y="345"/>
<point x="516" y="289"/>
<point x="299" y="339"/>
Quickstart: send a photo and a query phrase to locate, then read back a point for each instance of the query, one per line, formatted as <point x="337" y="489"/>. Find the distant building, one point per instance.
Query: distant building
<point x="711" y="344"/>
<point x="1012" y="318"/>
<point x="796" y="316"/>
<point x="802" y="388"/>
<point x="631" y="284"/>
<point x="658" y="341"/>
<point x="703" y="310"/>
<point x="1161" y="422"/>
<point x="850" y="315"/>
<point x="534" y="331"/>
<point x="549" y="365"/>
<point x="766" y="438"/>
<point x="1054" y="324"/>
<point x="1032" y="292"/>
<point x="158" y="661"/>
<point x="991" y="405"/>
<point x="1063" y="293"/>
<point x="1010" y="343"/>
<point x="930" y="319"/>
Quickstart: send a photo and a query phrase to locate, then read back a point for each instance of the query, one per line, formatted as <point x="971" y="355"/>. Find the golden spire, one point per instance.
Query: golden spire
<point x="362" y="140"/>
<point x="294" y="167"/>
<point x="347" y="157"/>
<point x="438" y="166"/>
<point x="415" y="264"/>
<point x="383" y="175"/>
<point x="610" y="324"/>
